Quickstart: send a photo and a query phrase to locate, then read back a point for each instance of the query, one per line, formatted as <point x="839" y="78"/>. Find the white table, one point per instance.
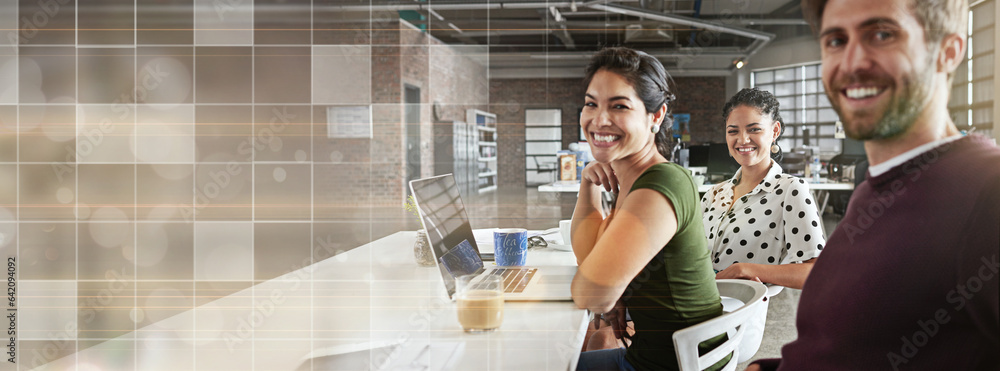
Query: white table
<point x="573" y="187"/>
<point x="821" y="191"/>
<point x="374" y="293"/>
<point x="825" y="184"/>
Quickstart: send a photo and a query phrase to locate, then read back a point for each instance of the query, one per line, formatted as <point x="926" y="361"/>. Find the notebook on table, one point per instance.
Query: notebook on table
<point x="456" y="253"/>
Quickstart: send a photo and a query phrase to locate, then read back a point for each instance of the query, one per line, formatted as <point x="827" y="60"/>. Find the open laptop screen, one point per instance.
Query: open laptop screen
<point x="448" y="229"/>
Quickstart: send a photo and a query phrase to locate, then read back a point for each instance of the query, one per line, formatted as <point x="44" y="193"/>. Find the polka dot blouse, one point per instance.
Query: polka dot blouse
<point x="775" y="223"/>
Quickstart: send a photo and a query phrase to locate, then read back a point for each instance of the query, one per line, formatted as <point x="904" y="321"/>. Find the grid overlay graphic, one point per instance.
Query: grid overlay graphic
<point x="193" y="161"/>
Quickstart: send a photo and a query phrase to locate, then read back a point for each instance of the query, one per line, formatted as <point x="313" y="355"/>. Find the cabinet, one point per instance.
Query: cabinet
<point x="486" y="145"/>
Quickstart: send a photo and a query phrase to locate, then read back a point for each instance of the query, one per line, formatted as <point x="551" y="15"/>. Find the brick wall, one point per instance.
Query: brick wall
<point x="702" y="97"/>
<point x="414" y="57"/>
<point x="457" y="82"/>
<point x="509" y="98"/>
<point x="443" y="74"/>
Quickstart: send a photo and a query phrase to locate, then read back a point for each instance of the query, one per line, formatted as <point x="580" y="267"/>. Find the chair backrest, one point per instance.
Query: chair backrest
<point x="686" y="341"/>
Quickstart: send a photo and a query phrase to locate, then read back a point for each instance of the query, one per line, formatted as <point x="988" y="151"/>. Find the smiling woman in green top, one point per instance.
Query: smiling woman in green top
<point x="649" y="254"/>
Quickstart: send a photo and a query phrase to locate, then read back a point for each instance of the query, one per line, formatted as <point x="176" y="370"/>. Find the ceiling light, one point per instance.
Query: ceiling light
<point x="738" y="62"/>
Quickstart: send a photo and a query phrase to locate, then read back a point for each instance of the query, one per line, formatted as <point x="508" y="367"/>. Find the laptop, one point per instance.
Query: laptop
<point x="456" y="252"/>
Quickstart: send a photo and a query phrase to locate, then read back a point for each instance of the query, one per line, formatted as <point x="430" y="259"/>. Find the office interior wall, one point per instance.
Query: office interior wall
<point x="798" y="50"/>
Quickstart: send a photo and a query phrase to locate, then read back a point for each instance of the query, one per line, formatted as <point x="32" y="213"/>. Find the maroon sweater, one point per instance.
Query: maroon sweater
<point x="908" y="280"/>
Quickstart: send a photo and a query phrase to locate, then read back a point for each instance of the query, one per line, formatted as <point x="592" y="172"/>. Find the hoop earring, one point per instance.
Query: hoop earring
<point x="655" y="129"/>
<point x="775" y="148"/>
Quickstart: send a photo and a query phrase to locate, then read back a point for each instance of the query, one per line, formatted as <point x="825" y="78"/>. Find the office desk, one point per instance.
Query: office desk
<point x="573" y="187"/>
<point x="374" y="293"/>
<point x="826" y="185"/>
<point x="821" y="190"/>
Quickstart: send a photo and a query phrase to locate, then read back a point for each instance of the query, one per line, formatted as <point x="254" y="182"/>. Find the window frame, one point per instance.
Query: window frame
<point x="971" y="103"/>
<point x="804" y="104"/>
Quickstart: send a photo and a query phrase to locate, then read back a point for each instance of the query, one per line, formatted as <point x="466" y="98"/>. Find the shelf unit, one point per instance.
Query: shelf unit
<point x="486" y="147"/>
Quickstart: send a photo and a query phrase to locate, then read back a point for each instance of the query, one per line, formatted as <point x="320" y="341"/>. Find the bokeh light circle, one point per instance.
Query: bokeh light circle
<point x="280" y="174"/>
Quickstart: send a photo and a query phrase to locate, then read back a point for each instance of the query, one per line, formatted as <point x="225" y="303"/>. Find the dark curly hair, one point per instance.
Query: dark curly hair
<point x="761" y="100"/>
<point x="649" y="79"/>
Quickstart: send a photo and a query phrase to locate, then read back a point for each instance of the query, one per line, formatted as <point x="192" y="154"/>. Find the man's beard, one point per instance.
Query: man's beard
<point x="901" y="112"/>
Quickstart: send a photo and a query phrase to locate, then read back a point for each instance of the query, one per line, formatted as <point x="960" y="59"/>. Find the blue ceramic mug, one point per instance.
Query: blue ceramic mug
<point x="511" y="246"/>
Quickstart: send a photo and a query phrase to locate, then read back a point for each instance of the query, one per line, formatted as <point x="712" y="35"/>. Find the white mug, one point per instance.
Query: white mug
<point x="565" y="230"/>
<point x="699" y="179"/>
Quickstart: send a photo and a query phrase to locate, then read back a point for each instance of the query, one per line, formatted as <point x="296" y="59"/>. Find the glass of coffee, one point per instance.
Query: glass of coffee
<point x="480" y="302"/>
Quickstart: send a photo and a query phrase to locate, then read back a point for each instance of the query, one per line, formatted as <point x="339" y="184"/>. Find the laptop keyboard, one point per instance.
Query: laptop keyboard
<point x="514" y="279"/>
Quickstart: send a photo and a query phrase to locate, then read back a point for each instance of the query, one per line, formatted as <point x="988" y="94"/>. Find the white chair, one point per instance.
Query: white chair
<point x="755" y="326"/>
<point x="686" y="341"/>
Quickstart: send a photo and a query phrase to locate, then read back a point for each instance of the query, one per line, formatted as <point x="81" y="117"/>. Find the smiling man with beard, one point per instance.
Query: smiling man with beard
<point x="909" y="279"/>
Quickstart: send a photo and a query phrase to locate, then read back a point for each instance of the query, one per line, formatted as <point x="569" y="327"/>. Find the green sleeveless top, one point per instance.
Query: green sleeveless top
<point x="676" y="289"/>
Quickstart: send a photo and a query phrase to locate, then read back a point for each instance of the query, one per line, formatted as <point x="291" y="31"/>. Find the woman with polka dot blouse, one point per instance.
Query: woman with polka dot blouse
<point x="762" y="221"/>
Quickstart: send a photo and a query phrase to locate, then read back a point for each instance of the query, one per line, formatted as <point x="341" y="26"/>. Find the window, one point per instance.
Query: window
<point x="805" y="109"/>
<point x="971" y="104"/>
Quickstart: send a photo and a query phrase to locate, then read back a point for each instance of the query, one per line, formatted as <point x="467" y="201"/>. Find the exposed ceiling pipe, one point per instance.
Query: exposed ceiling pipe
<point x="602" y="5"/>
<point x="761" y="39"/>
<point x="588" y="14"/>
<point x="755" y="47"/>
<point x="556" y="16"/>
<point x="438" y="6"/>
<point x="685" y="21"/>
<point x="566" y="38"/>
<point x="772" y="21"/>
<point x="539" y="31"/>
<point x="664" y="54"/>
<point x="468" y="6"/>
<point x="751" y="49"/>
<point x="521" y="72"/>
<point x="435" y="14"/>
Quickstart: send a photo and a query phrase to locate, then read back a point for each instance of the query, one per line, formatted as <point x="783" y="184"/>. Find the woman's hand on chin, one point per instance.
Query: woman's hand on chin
<point x="601" y="175"/>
